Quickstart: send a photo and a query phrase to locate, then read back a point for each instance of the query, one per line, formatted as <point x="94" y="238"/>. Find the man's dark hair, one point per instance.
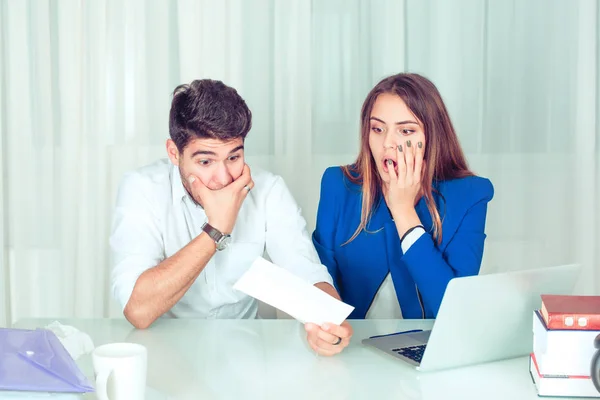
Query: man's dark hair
<point x="207" y="109"/>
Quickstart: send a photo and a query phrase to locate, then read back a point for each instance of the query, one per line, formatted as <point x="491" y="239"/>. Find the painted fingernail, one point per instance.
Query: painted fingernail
<point x="389" y="162"/>
<point x="192" y="179"/>
<point x="400" y="147"/>
<point x="420" y="144"/>
<point x="408" y="143"/>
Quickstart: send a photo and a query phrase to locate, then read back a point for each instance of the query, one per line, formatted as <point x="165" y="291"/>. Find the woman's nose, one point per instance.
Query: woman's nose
<point x="390" y="141"/>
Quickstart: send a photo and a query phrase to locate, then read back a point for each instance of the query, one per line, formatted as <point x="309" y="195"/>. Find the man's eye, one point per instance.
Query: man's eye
<point x="234" y="158"/>
<point x="204" y="162"/>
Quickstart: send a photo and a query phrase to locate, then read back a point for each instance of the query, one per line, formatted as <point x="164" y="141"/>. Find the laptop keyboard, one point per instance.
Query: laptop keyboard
<point x="415" y="353"/>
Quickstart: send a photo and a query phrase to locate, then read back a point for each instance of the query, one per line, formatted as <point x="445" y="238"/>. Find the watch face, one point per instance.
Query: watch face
<point x="224" y="242"/>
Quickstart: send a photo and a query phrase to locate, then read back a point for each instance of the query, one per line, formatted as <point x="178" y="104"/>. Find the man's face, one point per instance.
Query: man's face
<point x="216" y="163"/>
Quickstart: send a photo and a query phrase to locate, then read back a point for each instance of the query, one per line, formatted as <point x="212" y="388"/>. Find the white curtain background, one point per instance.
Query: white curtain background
<point x="85" y="93"/>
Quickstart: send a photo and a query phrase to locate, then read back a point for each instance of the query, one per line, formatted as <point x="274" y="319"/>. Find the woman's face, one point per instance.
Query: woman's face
<point x="392" y="124"/>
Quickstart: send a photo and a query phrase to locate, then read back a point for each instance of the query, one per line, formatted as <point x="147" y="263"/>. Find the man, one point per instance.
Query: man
<point x="184" y="231"/>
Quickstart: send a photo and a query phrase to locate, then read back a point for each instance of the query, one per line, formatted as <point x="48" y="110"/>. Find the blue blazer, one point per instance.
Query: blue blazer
<point x="359" y="268"/>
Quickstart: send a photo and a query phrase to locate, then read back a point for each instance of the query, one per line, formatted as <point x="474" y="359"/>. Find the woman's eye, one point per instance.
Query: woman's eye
<point x="407" y="131"/>
<point x="376" y="129"/>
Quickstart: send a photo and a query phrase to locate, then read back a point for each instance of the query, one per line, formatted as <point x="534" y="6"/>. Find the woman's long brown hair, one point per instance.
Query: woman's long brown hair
<point x="443" y="158"/>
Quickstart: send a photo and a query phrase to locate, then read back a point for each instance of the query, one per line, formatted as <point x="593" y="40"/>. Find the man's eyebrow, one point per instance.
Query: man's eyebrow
<point x="203" y="152"/>
<point x="212" y="153"/>
<point x="240" y="147"/>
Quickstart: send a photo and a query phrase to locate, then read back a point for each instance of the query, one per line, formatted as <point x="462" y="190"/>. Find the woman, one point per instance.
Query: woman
<point x="408" y="216"/>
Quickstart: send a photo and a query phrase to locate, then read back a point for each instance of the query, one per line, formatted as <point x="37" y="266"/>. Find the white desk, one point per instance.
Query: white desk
<point x="269" y="359"/>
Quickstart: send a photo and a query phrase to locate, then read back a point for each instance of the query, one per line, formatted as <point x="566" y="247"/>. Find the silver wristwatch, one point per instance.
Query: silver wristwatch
<point x="221" y="239"/>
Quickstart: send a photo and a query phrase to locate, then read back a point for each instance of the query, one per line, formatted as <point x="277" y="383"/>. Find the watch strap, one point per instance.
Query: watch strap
<point x="213" y="232"/>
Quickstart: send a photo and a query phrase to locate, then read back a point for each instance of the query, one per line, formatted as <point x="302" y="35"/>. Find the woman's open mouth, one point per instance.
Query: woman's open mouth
<point x="385" y="165"/>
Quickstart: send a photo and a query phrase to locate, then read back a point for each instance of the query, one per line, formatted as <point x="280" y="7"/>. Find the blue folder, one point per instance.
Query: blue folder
<point x="35" y="360"/>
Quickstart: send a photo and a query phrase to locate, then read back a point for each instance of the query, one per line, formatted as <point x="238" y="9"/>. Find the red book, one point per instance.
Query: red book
<point x="571" y="312"/>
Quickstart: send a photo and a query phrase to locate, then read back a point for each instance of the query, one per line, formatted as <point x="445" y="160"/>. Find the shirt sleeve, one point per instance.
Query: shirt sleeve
<point x="411" y="238"/>
<point x="136" y="242"/>
<point x="287" y="241"/>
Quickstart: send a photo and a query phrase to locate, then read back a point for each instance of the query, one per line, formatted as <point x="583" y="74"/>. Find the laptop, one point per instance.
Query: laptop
<point x="482" y="318"/>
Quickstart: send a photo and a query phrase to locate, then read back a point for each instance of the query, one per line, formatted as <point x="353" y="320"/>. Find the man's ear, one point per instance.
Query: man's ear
<point x="173" y="152"/>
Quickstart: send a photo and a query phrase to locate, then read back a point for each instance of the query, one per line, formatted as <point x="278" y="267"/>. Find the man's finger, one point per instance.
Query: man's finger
<point x="320" y="351"/>
<point x="312" y="331"/>
<point x="327" y="346"/>
<point x="343" y="331"/>
<point x="197" y="188"/>
<point x="242" y="180"/>
<point x="327" y="337"/>
<point x="248" y="187"/>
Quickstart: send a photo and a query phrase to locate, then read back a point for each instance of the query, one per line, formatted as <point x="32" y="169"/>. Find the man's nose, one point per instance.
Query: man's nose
<point x="222" y="176"/>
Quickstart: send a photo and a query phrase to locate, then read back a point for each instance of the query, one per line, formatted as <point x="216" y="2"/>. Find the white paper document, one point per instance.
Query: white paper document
<point x="287" y="292"/>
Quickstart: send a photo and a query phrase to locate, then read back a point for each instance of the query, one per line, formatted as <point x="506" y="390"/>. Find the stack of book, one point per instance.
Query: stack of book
<point x="564" y="330"/>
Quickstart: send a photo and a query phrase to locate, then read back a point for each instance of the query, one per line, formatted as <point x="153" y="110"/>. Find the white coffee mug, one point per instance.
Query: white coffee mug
<point x="120" y="370"/>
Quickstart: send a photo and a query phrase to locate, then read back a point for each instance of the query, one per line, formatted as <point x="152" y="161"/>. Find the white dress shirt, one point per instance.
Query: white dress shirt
<point x="385" y="304"/>
<point x="155" y="217"/>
